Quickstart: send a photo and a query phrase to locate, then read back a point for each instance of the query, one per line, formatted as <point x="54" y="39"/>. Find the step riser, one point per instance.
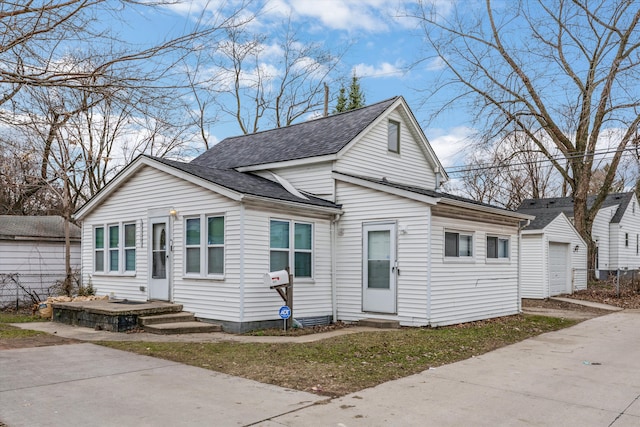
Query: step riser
<point x="379" y="323"/>
<point x="177" y="328"/>
<point x="166" y="318"/>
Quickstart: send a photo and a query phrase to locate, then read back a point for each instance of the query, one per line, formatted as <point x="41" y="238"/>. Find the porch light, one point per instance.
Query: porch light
<point x="576" y="249"/>
<point x="173" y="212"/>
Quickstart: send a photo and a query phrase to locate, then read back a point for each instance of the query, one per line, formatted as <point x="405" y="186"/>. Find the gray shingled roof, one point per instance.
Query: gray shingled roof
<point x="14" y="227"/>
<point x="565" y="205"/>
<point x="244" y="183"/>
<point x="541" y="220"/>
<point x="313" y="138"/>
<point x="424" y="191"/>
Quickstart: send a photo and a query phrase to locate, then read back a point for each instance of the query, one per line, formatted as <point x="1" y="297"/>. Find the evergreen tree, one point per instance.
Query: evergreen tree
<point x="356" y="96"/>
<point x="354" y="99"/>
<point x="341" y="103"/>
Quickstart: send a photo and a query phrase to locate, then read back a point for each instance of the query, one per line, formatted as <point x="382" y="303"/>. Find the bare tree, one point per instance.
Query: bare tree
<point x="568" y="66"/>
<point x="260" y="82"/>
<point x="508" y="172"/>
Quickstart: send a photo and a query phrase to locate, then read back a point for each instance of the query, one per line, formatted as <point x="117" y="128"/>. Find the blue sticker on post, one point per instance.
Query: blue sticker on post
<point x="285" y="312"/>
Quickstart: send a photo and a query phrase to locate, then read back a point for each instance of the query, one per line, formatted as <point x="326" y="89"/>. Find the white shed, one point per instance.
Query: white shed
<point x="32" y="254"/>
<point x="554" y="257"/>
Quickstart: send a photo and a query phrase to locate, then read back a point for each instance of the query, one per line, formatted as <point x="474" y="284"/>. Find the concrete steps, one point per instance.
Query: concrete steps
<point x="379" y="323"/>
<point x="176" y="323"/>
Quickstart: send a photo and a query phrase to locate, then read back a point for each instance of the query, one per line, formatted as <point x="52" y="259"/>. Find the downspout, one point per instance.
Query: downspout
<point x="429" y="256"/>
<point x="241" y="262"/>
<point x="334" y="246"/>
<point x="520" y="228"/>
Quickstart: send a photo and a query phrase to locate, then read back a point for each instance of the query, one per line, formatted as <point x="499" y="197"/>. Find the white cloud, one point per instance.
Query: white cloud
<point x="382" y="70"/>
<point x="450" y="145"/>
<point x="349" y="15"/>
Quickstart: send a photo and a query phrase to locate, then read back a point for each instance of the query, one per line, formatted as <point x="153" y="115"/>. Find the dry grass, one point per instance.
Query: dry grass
<point x="348" y="363"/>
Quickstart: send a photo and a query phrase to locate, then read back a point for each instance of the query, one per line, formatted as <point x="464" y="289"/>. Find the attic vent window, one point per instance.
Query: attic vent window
<point x="393" y="136"/>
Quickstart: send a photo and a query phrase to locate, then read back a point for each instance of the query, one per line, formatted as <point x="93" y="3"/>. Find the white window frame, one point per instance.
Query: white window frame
<point x="204" y="246"/>
<point x="397" y="135"/>
<point x="500" y="239"/>
<point x="291" y="250"/>
<point x="120" y="248"/>
<point x="458" y="257"/>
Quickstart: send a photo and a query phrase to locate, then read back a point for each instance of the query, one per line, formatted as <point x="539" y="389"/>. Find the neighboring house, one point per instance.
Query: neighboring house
<point x="616" y="229"/>
<point x="554" y="257"/>
<point x="33" y="248"/>
<point x="348" y="201"/>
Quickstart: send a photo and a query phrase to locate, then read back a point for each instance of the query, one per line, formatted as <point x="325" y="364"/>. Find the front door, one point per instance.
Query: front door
<point x="379" y="267"/>
<point x="159" y="247"/>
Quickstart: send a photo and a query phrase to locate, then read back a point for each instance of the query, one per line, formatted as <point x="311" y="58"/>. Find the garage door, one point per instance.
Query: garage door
<point x="558" y="269"/>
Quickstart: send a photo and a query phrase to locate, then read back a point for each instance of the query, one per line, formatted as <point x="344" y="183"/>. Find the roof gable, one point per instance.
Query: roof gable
<point x="314" y="138"/>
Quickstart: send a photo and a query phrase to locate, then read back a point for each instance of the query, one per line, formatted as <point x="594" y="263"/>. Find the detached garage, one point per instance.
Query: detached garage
<point x="554" y="257"/>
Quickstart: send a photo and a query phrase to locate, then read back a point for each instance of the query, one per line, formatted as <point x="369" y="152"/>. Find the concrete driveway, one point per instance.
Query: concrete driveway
<point x="587" y="375"/>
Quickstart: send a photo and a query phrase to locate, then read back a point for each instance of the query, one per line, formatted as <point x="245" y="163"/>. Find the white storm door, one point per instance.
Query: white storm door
<point x="159" y="258"/>
<point x="379" y="268"/>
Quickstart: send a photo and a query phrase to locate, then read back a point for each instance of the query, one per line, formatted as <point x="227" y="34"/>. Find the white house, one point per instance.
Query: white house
<point x="554" y="257"/>
<point x="616" y="228"/>
<point x="32" y="252"/>
<point x="349" y="201"/>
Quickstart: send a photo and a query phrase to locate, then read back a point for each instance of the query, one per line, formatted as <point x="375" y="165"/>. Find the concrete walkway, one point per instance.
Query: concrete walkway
<point x="587" y="375"/>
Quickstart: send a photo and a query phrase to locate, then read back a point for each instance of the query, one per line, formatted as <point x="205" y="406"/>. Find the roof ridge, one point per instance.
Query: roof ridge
<point x="330" y="116"/>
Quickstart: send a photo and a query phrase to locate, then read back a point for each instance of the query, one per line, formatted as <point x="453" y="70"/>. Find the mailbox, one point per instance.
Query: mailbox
<point x="274" y="278"/>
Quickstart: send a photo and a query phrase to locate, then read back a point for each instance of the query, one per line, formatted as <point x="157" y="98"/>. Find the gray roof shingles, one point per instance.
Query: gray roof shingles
<point x="15" y="227"/>
<point x="244" y="183"/>
<point x="565" y="205"/>
<point x="426" y="192"/>
<point x="314" y="138"/>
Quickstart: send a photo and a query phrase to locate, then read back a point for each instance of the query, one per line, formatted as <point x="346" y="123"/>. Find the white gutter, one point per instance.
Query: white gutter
<point x="488" y="209"/>
<point x="520" y="228"/>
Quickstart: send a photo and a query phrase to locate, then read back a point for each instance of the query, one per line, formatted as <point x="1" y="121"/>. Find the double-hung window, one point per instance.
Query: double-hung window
<point x="497" y="247"/>
<point x="114" y="248"/>
<point x="458" y="244"/>
<point x="204" y="246"/>
<point x="291" y="244"/>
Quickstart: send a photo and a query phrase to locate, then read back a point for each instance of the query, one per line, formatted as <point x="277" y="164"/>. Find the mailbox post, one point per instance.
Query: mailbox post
<point x="282" y="282"/>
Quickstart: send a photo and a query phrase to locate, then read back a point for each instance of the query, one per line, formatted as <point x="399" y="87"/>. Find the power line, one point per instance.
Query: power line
<point x="487" y="166"/>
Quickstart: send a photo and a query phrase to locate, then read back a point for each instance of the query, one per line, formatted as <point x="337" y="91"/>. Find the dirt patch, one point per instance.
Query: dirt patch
<point x="606" y="293"/>
<point x="550" y="304"/>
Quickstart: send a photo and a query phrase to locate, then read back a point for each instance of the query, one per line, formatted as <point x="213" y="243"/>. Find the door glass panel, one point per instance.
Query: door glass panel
<point x="159" y="249"/>
<point x="379" y="259"/>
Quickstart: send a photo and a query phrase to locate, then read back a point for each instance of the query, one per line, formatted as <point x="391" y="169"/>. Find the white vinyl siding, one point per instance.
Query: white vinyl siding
<point x="362" y="205"/>
<point x="312" y="296"/>
<point x="314" y="179"/>
<point x="626" y="254"/>
<point x="370" y="157"/>
<point x="606" y="238"/>
<point x="39" y="263"/>
<point x="469" y="291"/>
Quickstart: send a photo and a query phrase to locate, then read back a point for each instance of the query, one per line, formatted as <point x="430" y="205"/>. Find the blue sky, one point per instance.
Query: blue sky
<point x="378" y="44"/>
